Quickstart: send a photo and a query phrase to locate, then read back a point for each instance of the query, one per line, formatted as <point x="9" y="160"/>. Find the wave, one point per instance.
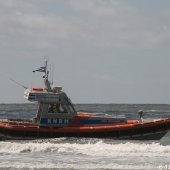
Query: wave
<point x="83" y="154"/>
<point x="72" y="166"/>
<point x="98" y="148"/>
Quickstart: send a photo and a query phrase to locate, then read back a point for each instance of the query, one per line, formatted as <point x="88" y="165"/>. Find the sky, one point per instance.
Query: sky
<point x="101" y="51"/>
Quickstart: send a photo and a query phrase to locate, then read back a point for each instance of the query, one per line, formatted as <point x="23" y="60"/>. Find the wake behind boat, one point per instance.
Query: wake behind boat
<point x="57" y="117"/>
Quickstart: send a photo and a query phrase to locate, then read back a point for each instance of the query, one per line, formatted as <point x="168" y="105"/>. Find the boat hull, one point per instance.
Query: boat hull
<point x="33" y="136"/>
<point x="154" y="130"/>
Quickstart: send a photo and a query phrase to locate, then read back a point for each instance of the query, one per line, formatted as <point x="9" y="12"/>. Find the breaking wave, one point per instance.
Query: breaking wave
<point x="83" y="154"/>
<point x="98" y="148"/>
<point x="64" y="166"/>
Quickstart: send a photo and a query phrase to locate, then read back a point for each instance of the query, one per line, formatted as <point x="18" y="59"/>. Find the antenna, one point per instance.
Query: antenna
<point x="18" y="83"/>
<point x="46" y="66"/>
<point x="52" y="73"/>
<point x="14" y="81"/>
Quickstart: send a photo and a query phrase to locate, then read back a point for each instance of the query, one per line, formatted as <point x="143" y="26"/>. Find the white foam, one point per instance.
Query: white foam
<point x="89" y="166"/>
<point x="96" y="155"/>
<point x="93" y="149"/>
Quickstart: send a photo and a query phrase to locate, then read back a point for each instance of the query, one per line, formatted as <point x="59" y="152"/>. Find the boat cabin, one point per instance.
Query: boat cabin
<point x="54" y="107"/>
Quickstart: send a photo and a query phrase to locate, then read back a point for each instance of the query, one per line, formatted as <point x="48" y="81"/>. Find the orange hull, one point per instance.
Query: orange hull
<point x="132" y="129"/>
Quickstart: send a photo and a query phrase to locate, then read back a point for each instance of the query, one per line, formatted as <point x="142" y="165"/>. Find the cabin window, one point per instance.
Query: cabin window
<point x="71" y="108"/>
<point x="56" y="108"/>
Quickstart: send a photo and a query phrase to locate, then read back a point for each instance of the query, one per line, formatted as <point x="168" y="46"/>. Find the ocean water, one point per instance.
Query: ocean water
<point x="86" y="153"/>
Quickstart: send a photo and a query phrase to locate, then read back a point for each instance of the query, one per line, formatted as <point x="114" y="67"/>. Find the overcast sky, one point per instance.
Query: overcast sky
<point x="102" y="51"/>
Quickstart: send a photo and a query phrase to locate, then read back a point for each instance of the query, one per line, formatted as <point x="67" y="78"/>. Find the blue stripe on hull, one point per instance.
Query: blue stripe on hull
<point x="91" y="121"/>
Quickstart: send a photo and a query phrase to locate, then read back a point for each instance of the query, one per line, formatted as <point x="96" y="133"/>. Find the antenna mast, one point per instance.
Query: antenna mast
<point x="46" y="81"/>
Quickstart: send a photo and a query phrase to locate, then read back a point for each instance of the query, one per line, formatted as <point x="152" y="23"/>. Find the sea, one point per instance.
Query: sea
<point x="86" y="153"/>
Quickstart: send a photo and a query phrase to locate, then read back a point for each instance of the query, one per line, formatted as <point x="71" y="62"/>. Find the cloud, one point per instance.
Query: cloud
<point x="95" y="23"/>
<point x="112" y="24"/>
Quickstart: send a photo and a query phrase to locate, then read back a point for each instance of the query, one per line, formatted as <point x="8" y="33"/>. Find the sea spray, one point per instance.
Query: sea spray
<point x="99" y="148"/>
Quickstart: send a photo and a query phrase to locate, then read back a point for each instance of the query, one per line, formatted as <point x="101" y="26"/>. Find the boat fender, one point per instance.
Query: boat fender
<point x="37" y="89"/>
